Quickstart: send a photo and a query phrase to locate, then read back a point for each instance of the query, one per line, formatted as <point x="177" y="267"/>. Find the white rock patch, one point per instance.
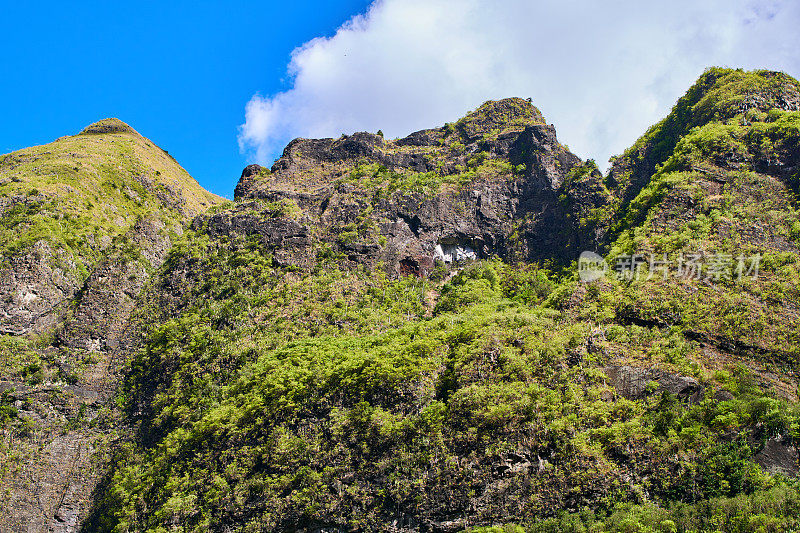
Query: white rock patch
<point x="453" y="252"/>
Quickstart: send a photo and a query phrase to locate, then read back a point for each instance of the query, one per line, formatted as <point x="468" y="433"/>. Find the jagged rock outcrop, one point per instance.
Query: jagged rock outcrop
<point x="487" y="185"/>
<point x="634" y="383"/>
<point x="36" y="287"/>
<point x="779" y="456"/>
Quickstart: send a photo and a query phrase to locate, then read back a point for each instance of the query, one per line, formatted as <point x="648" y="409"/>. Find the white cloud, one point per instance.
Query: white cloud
<point x="602" y="72"/>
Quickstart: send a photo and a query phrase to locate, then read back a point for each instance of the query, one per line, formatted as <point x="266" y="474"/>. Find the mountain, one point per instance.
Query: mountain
<point x="398" y="335"/>
<point x="84" y="222"/>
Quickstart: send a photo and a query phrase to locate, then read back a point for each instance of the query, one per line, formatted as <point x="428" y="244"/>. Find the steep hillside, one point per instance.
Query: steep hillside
<point x="66" y="201"/>
<point x="725" y="194"/>
<point x="84" y="221"/>
<point x="369" y="338"/>
<point x="719" y="96"/>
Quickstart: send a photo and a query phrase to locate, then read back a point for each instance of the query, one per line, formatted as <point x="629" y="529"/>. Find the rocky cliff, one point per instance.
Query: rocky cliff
<point x="392" y="335"/>
<point x="494" y="183"/>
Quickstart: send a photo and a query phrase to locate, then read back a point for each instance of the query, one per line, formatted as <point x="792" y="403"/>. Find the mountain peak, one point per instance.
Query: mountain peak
<point x="493" y="131"/>
<point x="108" y="125"/>
<point x="719" y="95"/>
<point x="505" y="114"/>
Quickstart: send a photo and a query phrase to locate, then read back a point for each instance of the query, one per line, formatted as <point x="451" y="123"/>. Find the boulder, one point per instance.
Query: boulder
<point x="779" y="456"/>
<point x="632" y="382"/>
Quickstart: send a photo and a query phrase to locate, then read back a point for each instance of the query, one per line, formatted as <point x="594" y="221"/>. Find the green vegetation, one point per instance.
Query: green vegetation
<point x="718" y="96"/>
<point x="714" y="194"/>
<point x="773" y="509"/>
<point x="283" y="209"/>
<point x="378" y="179"/>
<point x="20" y="360"/>
<point x="7" y="410"/>
<point x="494" y="118"/>
<point x="280" y="400"/>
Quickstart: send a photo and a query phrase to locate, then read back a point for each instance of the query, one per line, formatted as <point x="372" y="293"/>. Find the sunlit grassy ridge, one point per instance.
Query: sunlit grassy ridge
<point x="65" y="208"/>
<point x="718" y="96"/>
<point x="80" y="191"/>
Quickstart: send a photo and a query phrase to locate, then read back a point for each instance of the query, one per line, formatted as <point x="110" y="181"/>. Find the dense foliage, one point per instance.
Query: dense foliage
<point x="337" y="397"/>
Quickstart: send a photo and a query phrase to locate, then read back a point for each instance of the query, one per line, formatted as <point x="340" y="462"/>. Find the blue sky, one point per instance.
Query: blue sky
<point x="179" y="72"/>
<point x="222" y="84"/>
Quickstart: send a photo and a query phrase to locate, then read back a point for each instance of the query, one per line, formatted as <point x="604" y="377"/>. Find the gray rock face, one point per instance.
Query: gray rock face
<point x="108" y="297"/>
<point x="34" y="290"/>
<point x="35" y="284"/>
<point x="632" y="383"/>
<point x="449" y="253"/>
<point x="51" y="489"/>
<point x="779" y="456"/>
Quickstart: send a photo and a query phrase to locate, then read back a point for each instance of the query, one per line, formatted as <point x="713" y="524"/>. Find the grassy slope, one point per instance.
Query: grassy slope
<point x="73" y="197"/>
<point x="87" y="187"/>
<point x="283" y="399"/>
